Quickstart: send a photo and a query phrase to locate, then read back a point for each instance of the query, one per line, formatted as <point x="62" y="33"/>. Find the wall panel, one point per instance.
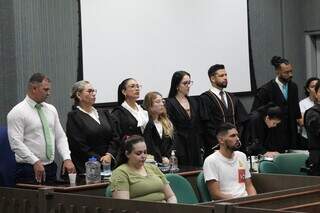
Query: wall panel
<point x="47" y="42"/>
<point x="42" y="35"/>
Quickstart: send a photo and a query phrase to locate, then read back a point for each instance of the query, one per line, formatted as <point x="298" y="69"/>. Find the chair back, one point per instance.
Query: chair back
<point x="202" y="188"/>
<point x="108" y="191"/>
<point x="266" y="166"/>
<point x="7" y="160"/>
<point x="182" y="189"/>
<point x="287" y="163"/>
<point x="291" y="163"/>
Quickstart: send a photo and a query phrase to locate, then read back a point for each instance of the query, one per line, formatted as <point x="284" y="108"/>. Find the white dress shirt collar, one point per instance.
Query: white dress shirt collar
<point x="159" y="127"/>
<point x="216" y="91"/>
<point x="31" y="102"/>
<point x="140" y="115"/>
<point x="93" y="113"/>
<point x="279" y="83"/>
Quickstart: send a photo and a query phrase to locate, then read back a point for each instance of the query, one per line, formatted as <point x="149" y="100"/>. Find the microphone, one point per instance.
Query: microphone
<point x="253" y="148"/>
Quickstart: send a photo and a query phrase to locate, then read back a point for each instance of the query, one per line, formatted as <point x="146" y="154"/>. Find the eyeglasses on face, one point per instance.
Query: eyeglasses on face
<point x="189" y="83"/>
<point x="91" y="91"/>
<point x="132" y="86"/>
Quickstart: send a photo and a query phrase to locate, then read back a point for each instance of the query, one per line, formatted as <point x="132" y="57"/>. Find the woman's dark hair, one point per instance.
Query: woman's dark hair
<point x="122" y="86"/>
<point x="175" y="81"/>
<point x="128" y="147"/>
<point x="317" y="86"/>
<point x="276" y="61"/>
<point x="274" y="112"/>
<point x="306" y="86"/>
<point x="271" y="110"/>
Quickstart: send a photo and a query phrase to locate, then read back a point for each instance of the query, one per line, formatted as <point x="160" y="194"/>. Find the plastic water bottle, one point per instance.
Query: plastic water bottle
<point x="173" y="162"/>
<point x="93" y="171"/>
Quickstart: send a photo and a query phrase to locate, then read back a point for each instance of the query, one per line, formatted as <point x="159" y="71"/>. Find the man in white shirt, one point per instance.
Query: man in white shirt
<point x="34" y="131"/>
<point x="226" y="171"/>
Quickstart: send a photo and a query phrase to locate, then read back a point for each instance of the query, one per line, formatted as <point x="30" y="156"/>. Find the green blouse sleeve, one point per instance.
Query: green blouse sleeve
<point x="119" y="180"/>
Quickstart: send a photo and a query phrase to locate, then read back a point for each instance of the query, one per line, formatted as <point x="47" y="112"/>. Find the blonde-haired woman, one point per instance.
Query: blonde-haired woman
<point x="158" y="133"/>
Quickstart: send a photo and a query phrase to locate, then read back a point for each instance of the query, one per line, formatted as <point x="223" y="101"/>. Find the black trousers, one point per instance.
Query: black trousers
<point x="314" y="157"/>
<point x="25" y="173"/>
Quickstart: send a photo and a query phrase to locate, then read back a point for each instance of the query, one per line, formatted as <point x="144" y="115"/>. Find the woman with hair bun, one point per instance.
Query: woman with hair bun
<point x="283" y="92"/>
<point x="90" y="132"/>
<point x="131" y="117"/>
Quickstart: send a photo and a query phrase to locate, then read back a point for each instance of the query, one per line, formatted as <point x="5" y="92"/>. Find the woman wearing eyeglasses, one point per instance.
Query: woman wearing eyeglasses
<point x="158" y="134"/>
<point x="183" y="111"/>
<point x="131" y="118"/>
<point x="90" y="132"/>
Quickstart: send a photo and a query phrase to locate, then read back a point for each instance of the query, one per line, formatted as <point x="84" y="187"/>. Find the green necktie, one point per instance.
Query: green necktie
<point x="46" y="132"/>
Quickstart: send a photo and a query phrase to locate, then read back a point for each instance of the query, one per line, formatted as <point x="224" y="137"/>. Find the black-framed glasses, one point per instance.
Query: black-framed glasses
<point x="189" y="83"/>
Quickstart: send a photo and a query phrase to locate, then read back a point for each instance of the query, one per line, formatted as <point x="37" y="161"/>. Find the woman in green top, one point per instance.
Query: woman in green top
<point x="134" y="179"/>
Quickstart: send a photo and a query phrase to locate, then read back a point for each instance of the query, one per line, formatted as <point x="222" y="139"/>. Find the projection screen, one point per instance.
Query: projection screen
<point x="151" y="39"/>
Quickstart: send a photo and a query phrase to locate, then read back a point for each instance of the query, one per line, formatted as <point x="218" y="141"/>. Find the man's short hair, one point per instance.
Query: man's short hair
<point x="213" y="69"/>
<point x="38" y="78"/>
<point x="224" y="128"/>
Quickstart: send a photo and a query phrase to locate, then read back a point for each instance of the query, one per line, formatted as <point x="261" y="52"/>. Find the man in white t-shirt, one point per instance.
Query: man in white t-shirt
<point x="226" y="171"/>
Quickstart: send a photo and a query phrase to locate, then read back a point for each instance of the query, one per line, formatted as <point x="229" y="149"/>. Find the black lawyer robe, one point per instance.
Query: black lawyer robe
<point x="312" y="125"/>
<point x="285" y="134"/>
<point x="156" y="146"/>
<point x="126" y="122"/>
<point x="88" y="138"/>
<point x="213" y="113"/>
<point x="188" y="138"/>
<point x="255" y="135"/>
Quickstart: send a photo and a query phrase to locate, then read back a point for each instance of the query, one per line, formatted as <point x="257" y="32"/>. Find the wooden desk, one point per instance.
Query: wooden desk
<point x="98" y="189"/>
<point x="80" y="188"/>
<point x="189" y="171"/>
